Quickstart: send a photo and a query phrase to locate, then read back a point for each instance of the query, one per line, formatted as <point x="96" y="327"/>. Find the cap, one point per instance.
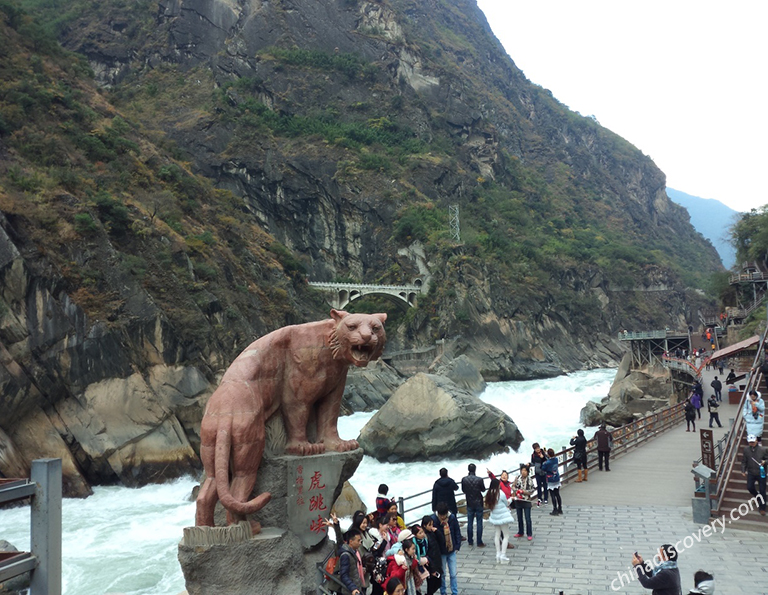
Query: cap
<point x="751" y="438"/>
<point x="404" y="534"/>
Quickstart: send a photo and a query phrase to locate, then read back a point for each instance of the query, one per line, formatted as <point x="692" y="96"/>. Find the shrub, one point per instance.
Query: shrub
<point x="85" y="224"/>
<point x="113" y="212"/>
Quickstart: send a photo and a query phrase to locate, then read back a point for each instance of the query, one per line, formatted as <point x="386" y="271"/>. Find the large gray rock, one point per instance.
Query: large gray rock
<point x="463" y="373"/>
<point x="430" y="417"/>
<point x="616" y="414"/>
<point x="348" y="502"/>
<point x="276" y="477"/>
<point x="632" y="394"/>
<point x="367" y="389"/>
<point x="591" y="415"/>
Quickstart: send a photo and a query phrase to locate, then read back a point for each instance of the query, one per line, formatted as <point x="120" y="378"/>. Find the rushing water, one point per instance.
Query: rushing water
<point x="123" y="540"/>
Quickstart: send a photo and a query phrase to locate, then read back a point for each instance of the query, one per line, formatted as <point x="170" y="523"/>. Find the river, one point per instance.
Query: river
<point x="123" y="540"/>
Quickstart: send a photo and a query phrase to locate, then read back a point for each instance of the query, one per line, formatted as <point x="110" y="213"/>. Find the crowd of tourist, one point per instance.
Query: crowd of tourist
<point x="380" y="554"/>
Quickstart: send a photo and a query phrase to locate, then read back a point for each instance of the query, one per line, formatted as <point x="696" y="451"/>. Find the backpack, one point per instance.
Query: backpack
<point x="379" y="572"/>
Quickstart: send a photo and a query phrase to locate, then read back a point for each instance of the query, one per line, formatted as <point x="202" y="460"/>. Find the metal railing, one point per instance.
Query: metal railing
<point x="747" y="277"/>
<point x="630" y="336"/>
<point x="44" y="561"/>
<point x="366" y="286"/>
<point x="731" y="452"/>
<point x="683" y="365"/>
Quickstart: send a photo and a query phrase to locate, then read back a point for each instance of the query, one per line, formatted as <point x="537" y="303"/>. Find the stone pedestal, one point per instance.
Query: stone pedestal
<point x="282" y="558"/>
<point x="272" y="562"/>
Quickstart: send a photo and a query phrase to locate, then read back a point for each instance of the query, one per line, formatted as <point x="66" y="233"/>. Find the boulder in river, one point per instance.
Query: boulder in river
<point x="430" y="417"/>
<point x="463" y="373"/>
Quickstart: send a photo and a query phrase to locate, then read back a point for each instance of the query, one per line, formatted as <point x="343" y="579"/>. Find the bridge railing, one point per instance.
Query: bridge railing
<point x="414" y="288"/>
<point x="44" y="559"/>
<point x="746" y="277"/>
<point x="629" y="336"/>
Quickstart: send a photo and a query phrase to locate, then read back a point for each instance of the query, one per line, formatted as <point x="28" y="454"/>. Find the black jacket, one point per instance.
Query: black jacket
<point x="604" y="440"/>
<point x="579" y="448"/>
<point x="434" y="550"/>
<point x="473" y="488"/>
<point x="538" y="459"/>
<point x="752" y="458"/>
<point x="664" y="582"/>
<point x="443" y="491"/>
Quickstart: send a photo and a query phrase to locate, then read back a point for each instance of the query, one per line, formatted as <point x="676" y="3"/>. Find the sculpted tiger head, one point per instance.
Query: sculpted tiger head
<point x="357" y="338"/>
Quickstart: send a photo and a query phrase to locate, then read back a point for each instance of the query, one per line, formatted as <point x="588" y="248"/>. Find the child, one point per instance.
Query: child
<point x="422" y="546"/>
<point x="382" y="501"/>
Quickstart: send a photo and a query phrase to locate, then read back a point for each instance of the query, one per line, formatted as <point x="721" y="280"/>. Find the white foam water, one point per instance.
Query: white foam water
<point x="125" y="541"/>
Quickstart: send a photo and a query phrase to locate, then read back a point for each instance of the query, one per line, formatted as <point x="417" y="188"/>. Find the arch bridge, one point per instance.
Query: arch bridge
<point x="339" y="295"/>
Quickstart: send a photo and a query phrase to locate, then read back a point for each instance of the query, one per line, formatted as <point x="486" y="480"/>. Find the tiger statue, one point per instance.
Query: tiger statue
<point x="298" y="372"/>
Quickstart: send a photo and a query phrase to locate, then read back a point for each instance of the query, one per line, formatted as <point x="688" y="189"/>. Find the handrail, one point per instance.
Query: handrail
<point x="723" y="474"/>
<point x="683" y="365"/>
<point x="744" y="277"/>
<point x="328" y="285"/>
<point x="629" y="336"/>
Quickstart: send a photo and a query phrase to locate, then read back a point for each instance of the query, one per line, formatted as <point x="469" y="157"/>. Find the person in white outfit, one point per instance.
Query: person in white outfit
<point x="501" y="519"/>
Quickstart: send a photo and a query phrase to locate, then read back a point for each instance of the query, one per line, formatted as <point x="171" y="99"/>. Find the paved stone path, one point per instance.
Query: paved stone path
<point x="582" y="552"/>
<point x="643" y="502"/>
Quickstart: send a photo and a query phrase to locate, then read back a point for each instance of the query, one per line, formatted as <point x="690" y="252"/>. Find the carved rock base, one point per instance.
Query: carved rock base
<point x="272" y="562"/>
<point x="281" y="559"/>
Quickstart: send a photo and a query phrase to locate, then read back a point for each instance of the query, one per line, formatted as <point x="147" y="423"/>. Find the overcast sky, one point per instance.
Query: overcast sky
<point x="684" y="81"/>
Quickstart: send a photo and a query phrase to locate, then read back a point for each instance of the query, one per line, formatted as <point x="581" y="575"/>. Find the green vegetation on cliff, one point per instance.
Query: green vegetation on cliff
<point x="348" y="145"/>
<point x="108" y="208"/>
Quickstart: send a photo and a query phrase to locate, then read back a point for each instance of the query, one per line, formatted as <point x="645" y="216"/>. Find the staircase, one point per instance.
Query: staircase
<point x="730" y="490"/>
<point x="736" y="494"/>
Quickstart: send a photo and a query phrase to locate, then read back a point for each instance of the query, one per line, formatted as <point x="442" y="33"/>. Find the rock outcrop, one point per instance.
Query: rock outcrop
<point x="367" y="389"/>
<point x="463" y="373"/>
<point x="430" y="417"/>
<point x="632" y="394"/>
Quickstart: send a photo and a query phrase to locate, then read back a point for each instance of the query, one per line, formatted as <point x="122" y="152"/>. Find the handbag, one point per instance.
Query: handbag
<point x="332" y="564"/>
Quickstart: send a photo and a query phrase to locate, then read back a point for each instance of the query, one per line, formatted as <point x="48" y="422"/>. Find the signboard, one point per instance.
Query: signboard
<point x="707" y="448"/>
<point x="311" y="483"/>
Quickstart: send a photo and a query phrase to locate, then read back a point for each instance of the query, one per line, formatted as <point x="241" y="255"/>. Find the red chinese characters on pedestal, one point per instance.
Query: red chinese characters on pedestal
<point x="314" y="482"/>
<point x="316" y="501"/>
<point x="317" y="525"/>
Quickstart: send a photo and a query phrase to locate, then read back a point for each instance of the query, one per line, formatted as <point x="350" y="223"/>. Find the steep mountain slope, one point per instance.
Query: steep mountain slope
<point x="126" y="283"/>
<point x="712" y="219"/>
<point x="332" y="135"/>
<point x="347" y="128"/>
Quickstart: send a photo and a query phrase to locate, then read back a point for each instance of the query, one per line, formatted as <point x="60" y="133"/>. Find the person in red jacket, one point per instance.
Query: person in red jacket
<point x="504" y="484"/>
<point x="403" y="564"/>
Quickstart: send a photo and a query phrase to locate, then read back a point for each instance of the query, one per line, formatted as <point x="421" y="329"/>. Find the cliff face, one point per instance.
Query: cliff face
<point x="347" y="127"/>
<point x="153" y="229"/>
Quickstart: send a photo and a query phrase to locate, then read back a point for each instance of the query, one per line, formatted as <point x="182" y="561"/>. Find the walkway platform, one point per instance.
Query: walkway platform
<point x="643" y="502"/>
<point x="582" y="552"/>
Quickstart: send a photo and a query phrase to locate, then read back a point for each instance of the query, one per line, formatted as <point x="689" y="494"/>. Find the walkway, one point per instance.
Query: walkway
<point x="663" y="463"/>
<point x="643" y="502"/>
<point x="582" y="551"/>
